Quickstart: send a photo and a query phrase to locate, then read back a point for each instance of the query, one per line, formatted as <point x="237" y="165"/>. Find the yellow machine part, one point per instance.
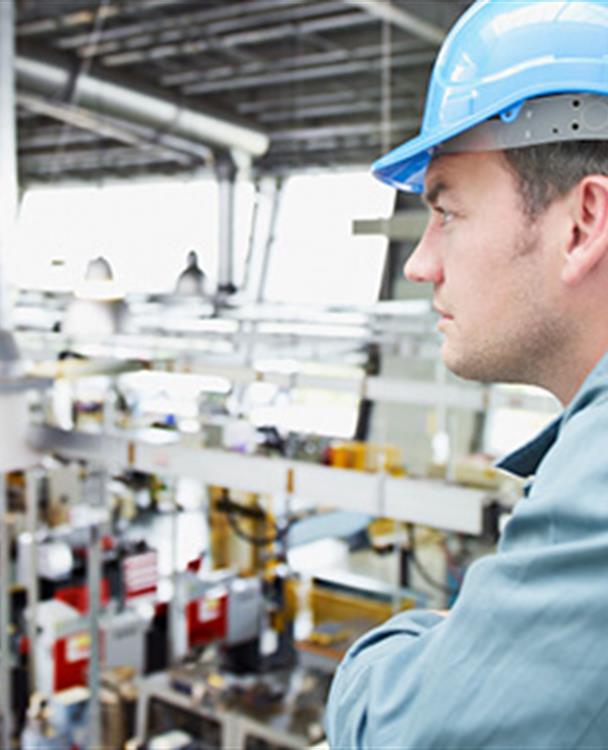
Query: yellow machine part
<point x="227" y="549"/>
<point x="280" y="619"/>
<point x="338" y="606"/>
<point x="219" y="531"/>
<point x="363" y="456"/>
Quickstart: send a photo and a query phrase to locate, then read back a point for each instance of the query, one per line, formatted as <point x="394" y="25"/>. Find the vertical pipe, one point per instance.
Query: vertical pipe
<point x="252" y="238"/>
<point x="8" y="215"/>
<point x="31" y="506"/>
<point x="444" y="433"/>
<point x="274" y="216"/>
<point x="386" y="86"/>
<point x="226" y="174"/>
<point x="5" y="603"/>
<point x="176" y="604"/>
<point x="94" y="571"/>
<point x="8" y="147"/>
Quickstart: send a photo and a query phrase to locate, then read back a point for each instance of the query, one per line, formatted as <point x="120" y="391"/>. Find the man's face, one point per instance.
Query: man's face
<point x="494" y="272"/>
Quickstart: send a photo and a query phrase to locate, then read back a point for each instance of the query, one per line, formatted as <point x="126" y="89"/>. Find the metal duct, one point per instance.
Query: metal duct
<point x="108" y="95"/>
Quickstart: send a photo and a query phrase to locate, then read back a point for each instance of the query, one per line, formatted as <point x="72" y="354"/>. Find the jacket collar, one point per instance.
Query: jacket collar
<point x="524" y="461"/>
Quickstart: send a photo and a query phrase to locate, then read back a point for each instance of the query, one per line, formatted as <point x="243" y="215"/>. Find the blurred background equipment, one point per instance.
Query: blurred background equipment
<point x="215" y="478"/>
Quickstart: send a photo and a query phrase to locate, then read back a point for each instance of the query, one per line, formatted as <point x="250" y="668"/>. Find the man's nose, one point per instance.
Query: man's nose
<point x="424" y="264"/>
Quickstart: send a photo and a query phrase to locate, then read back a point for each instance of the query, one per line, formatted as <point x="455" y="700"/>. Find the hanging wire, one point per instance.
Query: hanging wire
<point x="83" y="70"/>
<point x="421" y="570"/>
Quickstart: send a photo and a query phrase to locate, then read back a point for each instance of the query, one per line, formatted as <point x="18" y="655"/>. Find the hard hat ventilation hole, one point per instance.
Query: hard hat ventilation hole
<point x="576" y="104"/>
<point x="575" y="126"/>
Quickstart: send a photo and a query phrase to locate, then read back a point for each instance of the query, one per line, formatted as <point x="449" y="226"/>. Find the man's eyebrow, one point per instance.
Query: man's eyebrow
<point x="433" y="194"/>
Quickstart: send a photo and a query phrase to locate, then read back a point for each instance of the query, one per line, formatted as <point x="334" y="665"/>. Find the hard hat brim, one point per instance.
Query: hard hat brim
<point x="405" y="167"/>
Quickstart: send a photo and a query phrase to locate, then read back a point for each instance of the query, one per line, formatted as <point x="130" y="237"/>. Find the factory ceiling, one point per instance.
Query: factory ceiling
<point x="117" y="88"/>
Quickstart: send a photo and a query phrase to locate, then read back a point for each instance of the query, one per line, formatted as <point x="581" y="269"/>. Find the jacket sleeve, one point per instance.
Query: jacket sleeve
<point x="521" y="660"/>
<point x="346" y="722"/>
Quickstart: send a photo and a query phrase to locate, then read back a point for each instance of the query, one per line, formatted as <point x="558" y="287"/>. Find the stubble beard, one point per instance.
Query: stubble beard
<point x="530" y="356"/>
<point x="530" y="348"/>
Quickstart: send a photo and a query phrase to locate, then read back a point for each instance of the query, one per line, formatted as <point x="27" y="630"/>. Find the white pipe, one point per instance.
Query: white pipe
<point x="53" y="76"/>
<point x="226" y="173"/>
<point x="8" y="148"/>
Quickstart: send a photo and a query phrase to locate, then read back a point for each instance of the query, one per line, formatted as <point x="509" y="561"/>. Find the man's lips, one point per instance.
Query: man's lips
<point x="442" y="313"/>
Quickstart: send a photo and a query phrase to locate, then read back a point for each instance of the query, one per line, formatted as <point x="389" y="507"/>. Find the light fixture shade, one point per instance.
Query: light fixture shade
<point x="191" y="281"/>
<point x="98" y="308"/>
<point x="99" y="269"/>
<point x="99" y="282"/>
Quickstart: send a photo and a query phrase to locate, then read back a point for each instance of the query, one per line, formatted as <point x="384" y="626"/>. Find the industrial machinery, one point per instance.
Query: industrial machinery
<point x="282" y="710"/>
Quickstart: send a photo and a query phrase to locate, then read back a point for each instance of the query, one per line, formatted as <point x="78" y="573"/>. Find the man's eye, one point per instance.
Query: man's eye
<point x="445" y="216"/>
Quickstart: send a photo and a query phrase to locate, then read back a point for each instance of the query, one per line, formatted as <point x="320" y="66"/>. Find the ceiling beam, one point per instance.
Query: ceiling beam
<point x="353" y="67"/>
<point x="337" y="109"/>
<point x="291" y="61"/>
<point x="402" y="19"/>
<point x="44" y="139"/>
<point x="202" y="25"/>
<point x="86" y="160"/>
<point x="66" y="21"/>
<point x="281" y="32"/>
<point x="325" y="96"/>
<point x="340" y="131"/>
<point x="164" y="146"/>
<point x="159" y="25"/>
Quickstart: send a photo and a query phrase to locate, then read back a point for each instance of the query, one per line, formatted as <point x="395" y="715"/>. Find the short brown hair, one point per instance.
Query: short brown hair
<point x="549" y="171"/>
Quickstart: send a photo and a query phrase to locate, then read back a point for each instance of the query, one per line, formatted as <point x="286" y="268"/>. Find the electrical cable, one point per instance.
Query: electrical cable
<point x="232" y="511"/>
<point x="455" y="569"/>
<point x="257" y="541"/>
<point x="420" y="569"/>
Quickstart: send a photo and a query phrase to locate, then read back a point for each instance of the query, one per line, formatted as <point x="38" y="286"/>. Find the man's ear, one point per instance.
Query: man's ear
<point x="589" y="239"/>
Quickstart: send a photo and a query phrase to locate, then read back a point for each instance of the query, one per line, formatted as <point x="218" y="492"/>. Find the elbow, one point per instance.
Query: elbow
<point x="346" y="713"/>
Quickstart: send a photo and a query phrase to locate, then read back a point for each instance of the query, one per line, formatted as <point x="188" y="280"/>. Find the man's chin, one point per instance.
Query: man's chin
<point x="467" y="368"/>
<point x="450" y="358"/>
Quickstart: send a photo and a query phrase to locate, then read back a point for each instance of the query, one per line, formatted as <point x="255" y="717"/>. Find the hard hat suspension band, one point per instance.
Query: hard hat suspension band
<point x="548" y="119"/>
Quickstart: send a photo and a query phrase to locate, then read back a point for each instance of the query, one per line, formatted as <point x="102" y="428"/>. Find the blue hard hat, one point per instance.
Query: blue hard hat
<point x="499" y="54"/>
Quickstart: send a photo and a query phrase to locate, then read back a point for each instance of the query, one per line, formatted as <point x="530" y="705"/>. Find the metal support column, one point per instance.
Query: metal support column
<point x="252" y="238"/>
<point x="226" y="174"/>
<point x="31" y="507"/>
<point x="276" y="204"/>
<point x="176" y="644"/>
<point x="8" y="146"/>
<point x="5" y="618"/>
<point x="386" y="87"/>
<point x="94" y="574"/>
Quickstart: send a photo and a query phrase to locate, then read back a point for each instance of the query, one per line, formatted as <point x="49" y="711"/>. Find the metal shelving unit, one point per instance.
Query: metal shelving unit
<point x="428" y="502"/>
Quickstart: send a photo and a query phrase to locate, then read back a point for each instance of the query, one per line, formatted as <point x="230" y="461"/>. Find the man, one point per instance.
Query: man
<point x="513" y="162"/>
